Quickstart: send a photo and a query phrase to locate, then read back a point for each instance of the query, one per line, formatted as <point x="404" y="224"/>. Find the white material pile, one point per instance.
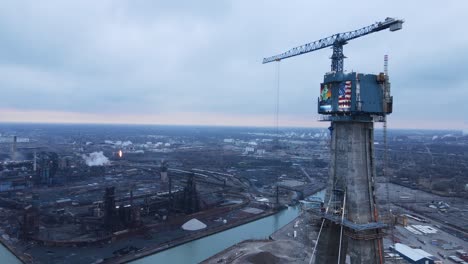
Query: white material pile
<point x="193" y="224"/>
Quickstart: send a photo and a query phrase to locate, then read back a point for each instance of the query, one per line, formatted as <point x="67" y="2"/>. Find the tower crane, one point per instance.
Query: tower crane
<point x="337" y="41"/>
<point x="352" y="102"/>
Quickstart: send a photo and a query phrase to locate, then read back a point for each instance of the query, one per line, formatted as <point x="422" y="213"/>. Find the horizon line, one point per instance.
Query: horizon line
<point x="201" y="125"/>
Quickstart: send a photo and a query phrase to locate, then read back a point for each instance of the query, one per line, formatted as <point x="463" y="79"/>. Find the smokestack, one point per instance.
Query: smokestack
<point x="163" y="169"/>
<point x="35" y="161"/>
<point x="13" y="149"/>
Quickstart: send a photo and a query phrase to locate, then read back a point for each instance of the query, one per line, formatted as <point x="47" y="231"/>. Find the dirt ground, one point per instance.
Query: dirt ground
<point x="282" y="247"/>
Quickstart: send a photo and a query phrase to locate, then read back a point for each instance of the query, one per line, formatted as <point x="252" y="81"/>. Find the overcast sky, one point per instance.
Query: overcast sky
<point x="199" y="62"/>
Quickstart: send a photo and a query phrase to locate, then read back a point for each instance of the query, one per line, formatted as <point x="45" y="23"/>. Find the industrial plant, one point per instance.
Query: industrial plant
<point x="77" y="194"/>
<point x="353" y="191"/>
<point x="65" y="193"/>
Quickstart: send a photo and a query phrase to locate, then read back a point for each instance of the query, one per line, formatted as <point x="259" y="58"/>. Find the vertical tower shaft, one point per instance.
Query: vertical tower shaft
<point x="352" y="173"/>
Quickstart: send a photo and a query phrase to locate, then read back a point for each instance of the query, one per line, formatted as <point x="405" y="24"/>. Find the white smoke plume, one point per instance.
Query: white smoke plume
<point x="96" y="159"/>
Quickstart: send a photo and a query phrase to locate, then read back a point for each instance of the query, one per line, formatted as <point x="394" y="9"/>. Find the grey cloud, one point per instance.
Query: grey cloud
<point x="182" y="56"/>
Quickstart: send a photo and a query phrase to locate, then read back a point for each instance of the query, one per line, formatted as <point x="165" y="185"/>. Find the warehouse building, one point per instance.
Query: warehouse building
<point x="415" y="255"/>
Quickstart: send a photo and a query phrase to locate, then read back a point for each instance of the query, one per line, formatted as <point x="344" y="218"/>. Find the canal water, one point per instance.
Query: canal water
<point x="7" y="257"/>
<point x="201" y="249"/>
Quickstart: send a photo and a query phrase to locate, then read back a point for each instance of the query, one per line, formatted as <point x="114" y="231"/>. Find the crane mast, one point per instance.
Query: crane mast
<point x="337" y="41"/>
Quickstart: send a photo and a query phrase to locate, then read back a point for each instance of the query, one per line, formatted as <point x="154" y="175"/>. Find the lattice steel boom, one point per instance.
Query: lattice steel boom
<point x="337" y="41"/>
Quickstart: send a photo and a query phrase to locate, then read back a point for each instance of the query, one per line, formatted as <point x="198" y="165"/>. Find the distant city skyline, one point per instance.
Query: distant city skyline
<point x="149" y="62"/>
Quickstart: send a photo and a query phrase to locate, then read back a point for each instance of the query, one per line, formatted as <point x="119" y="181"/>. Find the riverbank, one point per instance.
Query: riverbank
<point x="186" y="246"/>
<point x="281" y="247"/>
<point x="10" y="255"/>
<point x="292" y="243"/>
<point x="198" y="250"/>
<point x="174" y="243"/>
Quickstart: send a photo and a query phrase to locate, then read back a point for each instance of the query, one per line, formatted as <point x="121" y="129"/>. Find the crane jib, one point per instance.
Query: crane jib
<point x="337" y="41"/>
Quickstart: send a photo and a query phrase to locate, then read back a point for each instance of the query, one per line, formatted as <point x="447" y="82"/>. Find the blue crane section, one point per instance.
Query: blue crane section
<point x="337" y="41"/>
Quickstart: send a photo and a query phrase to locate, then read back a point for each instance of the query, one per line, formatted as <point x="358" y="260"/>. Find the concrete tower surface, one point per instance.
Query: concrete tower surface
<point x="352" y="102"/>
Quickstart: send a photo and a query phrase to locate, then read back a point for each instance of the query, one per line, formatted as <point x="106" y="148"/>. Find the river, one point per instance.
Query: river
<point x="201" y="249"/>
<point x="7" y="257"/>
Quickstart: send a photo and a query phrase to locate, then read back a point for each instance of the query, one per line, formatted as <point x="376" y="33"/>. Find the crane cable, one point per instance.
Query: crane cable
<point x="341" y="231"/>
<point x="277" y="98"/>
<point x="387" y="180"/>
<point x="276" y="122"/>
<point x="385" y="157"/>
<point x="321" y="226"/>
<point x="320" y="231"/>
<point x="316" y="243"/>
<point x="328" y="203"/>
